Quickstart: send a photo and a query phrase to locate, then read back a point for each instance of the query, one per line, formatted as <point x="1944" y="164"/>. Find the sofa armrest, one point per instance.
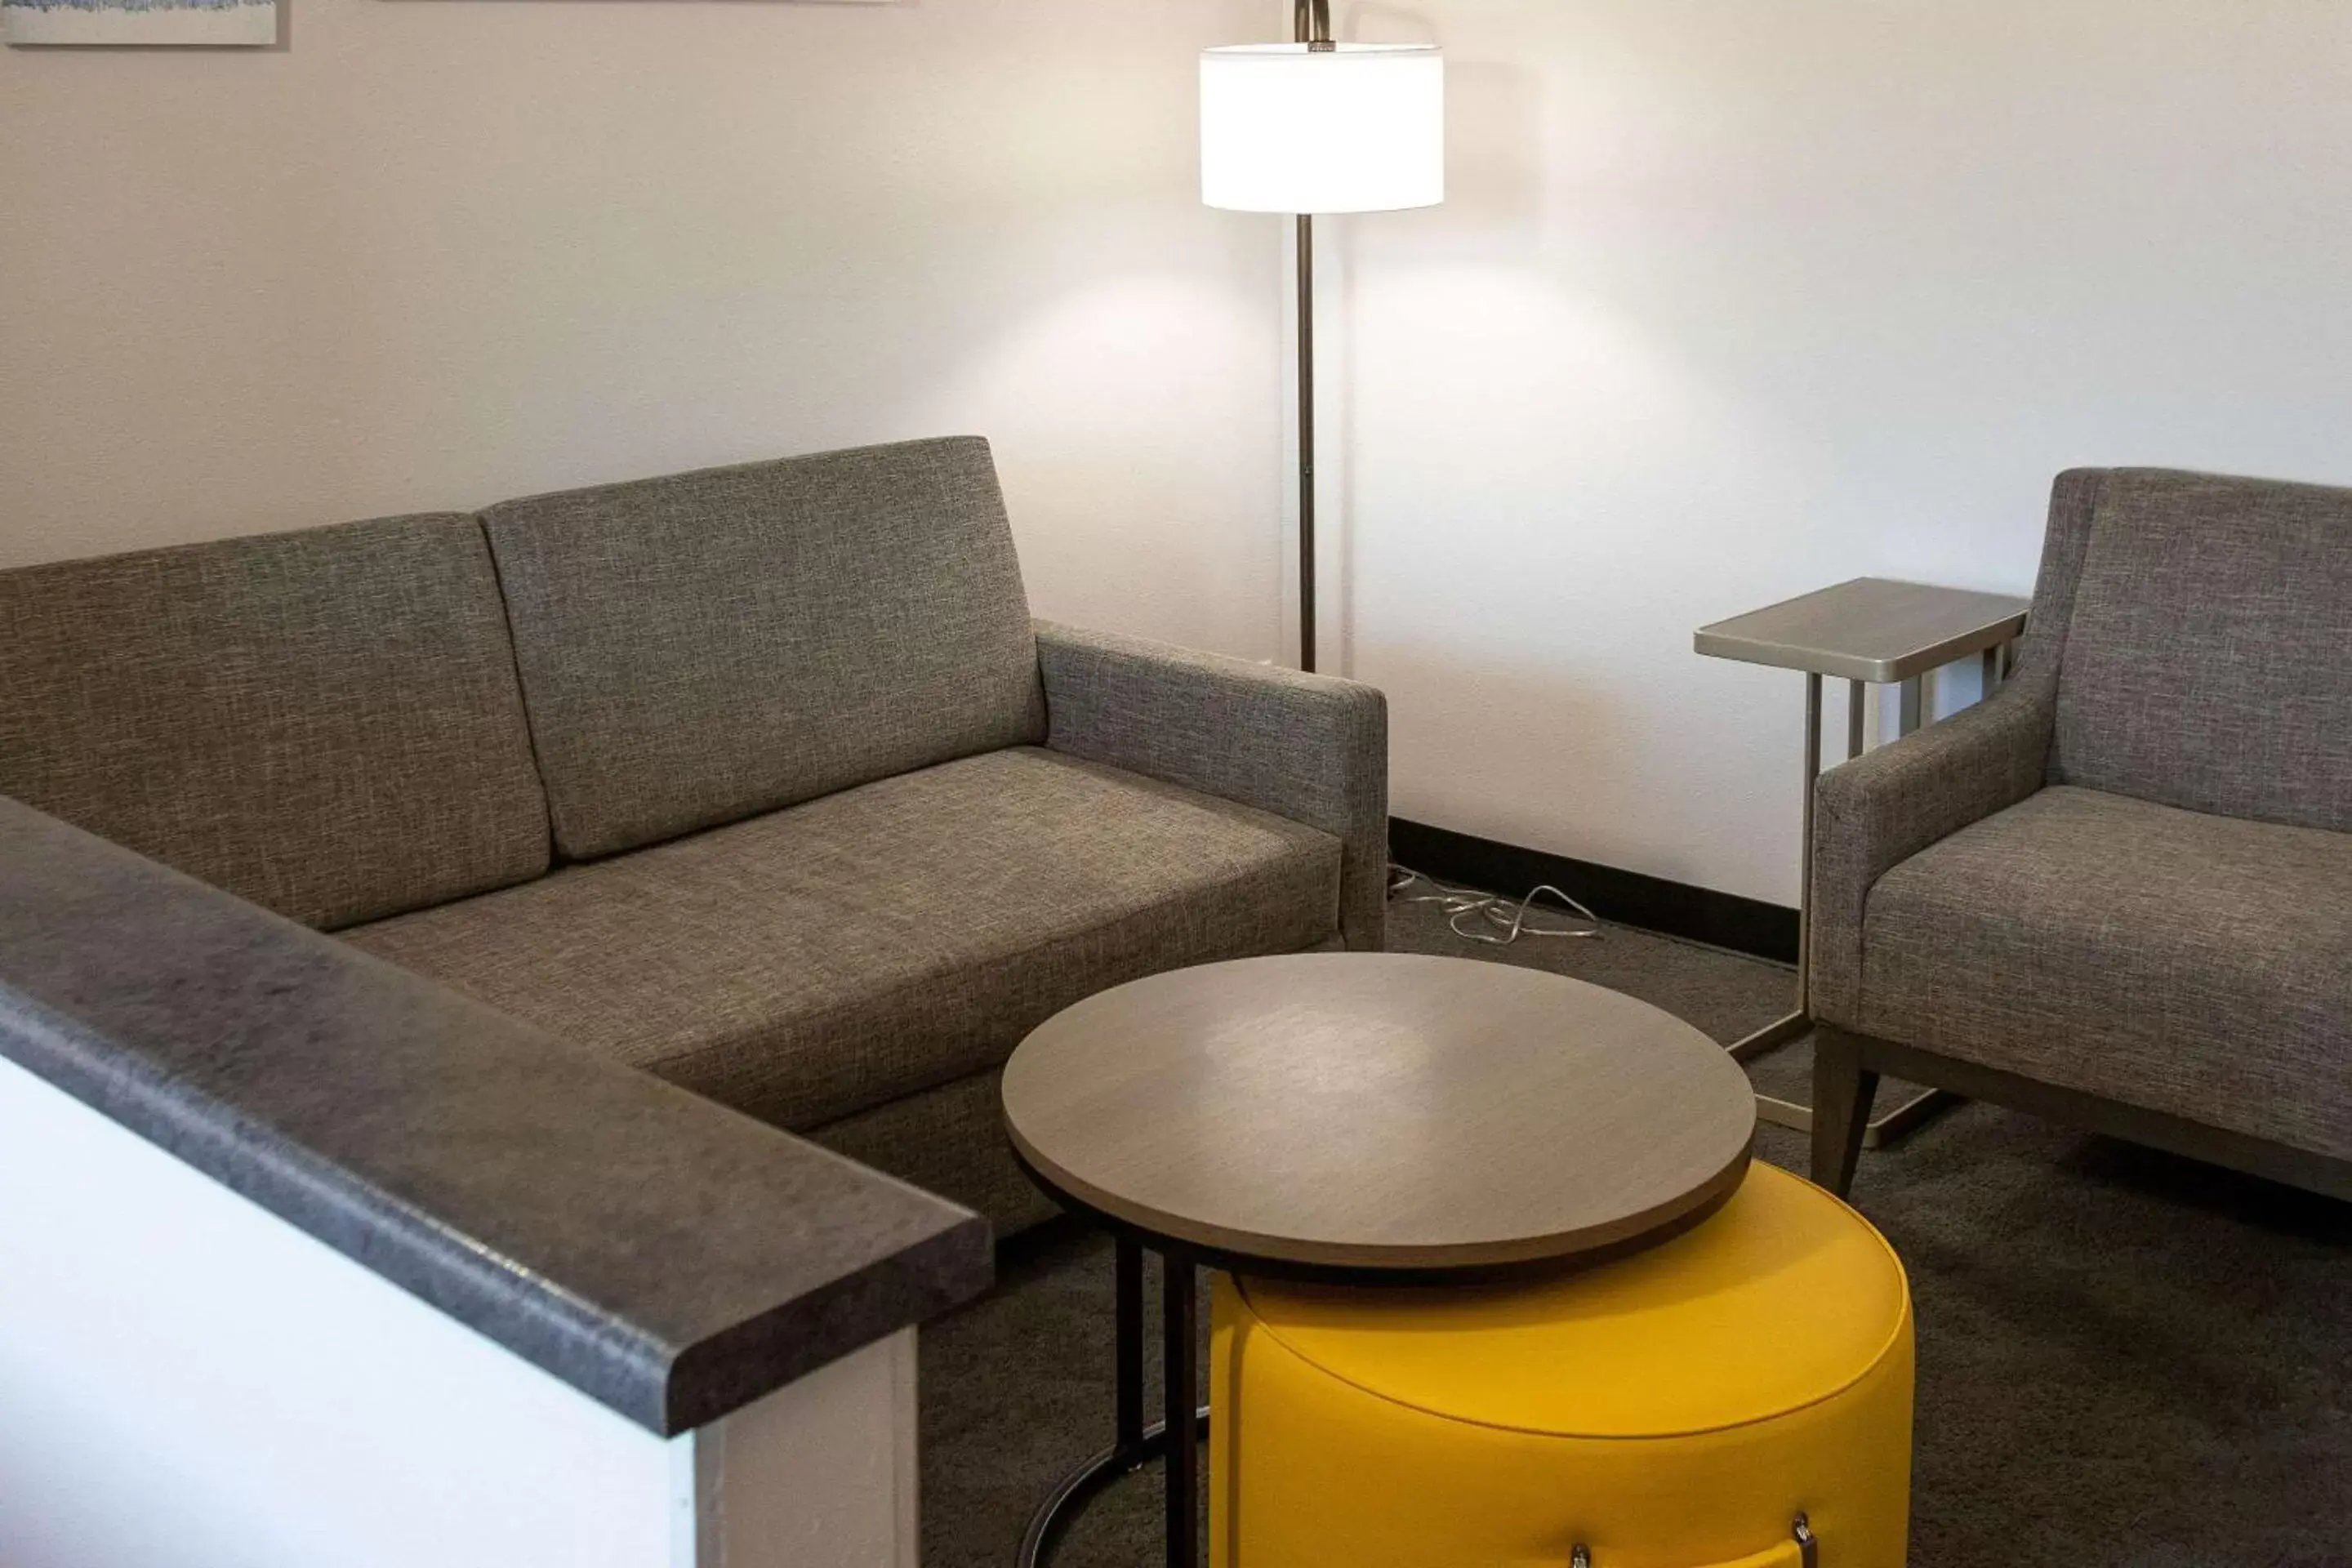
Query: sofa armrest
<point x="1876" y="812"/>
<point x="1309" y="747"/>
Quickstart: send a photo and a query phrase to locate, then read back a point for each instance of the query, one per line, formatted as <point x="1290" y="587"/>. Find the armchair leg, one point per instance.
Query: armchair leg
<point x="1842" y="1090"/>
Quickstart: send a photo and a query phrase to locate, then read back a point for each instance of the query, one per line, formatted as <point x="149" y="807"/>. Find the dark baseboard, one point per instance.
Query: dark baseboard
<point x="1627" y="898"/>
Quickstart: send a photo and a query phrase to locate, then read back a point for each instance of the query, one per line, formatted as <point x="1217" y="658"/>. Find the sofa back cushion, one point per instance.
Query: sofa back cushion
<point x="2207" y="660"/>
<point x="325" y="723"/>
<point x="704" y="648"/>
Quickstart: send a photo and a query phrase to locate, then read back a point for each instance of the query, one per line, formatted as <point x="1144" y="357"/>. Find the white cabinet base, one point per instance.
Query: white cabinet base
<point x="187" y="1379"/>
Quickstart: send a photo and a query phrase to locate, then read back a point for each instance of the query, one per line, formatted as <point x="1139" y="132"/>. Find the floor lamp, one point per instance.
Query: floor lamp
<point x="1310" y="127"/>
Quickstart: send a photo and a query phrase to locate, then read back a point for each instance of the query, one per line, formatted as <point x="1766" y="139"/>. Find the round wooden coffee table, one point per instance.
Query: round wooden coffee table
<point x="1365" y="1116"/>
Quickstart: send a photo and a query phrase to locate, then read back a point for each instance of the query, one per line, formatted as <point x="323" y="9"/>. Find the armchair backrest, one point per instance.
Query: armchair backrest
<point x="2200" y="631"/>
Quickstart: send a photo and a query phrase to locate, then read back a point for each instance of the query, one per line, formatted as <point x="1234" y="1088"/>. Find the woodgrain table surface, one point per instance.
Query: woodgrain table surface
<point x="1379" y="1111"/>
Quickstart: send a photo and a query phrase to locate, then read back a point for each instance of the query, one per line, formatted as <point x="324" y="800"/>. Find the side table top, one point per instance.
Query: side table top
<point x="1388" y="1112"/>
<point x="1871" y="629"/>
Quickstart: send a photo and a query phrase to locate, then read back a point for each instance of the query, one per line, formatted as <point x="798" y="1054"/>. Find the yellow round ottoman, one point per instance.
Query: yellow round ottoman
<point x="1739" y="1396"/>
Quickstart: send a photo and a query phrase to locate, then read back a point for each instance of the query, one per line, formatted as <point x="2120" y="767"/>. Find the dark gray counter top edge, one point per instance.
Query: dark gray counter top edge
<point x="533" y="1317"/>
<point x="873" y="1255"/>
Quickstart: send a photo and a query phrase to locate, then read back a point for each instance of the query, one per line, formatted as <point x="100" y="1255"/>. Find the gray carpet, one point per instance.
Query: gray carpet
<point x="2124" y="1357"/>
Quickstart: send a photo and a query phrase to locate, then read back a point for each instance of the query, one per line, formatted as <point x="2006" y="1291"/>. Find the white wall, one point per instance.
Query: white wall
<point x="436" y="252"/>
<point x="1731" y="302"/>
<point x="185" y="1379"/>
<point x="1735" y="300"/>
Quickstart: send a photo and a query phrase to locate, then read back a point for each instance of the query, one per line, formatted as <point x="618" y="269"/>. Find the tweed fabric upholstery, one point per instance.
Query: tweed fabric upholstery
<point x="324" y="722"/>
<point x="2207" y="652"/>
<point x="1308" y="747"/>
<point x="817" y="961"/>
<point x="949" y="1140"/>
<point x="700" y="649"/>
<point x="1874" y="812"/>
<point x="2065" y="540"/>
<point x="2194" y="964"/>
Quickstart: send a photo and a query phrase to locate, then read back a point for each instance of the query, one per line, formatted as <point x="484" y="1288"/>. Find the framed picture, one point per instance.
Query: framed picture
<point x="215" y="22"/>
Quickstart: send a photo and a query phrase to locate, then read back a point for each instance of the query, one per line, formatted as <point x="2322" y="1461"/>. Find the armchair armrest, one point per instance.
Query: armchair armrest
<point x="1872" y="813"/>
<point x="1312" y="748"/>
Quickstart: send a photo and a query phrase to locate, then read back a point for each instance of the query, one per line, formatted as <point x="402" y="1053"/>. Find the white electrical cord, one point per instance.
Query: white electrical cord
<point x="1465" y="907"/>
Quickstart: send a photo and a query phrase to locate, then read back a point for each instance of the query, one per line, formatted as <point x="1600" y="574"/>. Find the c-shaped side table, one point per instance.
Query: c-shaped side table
<point x="1870" y="631"/>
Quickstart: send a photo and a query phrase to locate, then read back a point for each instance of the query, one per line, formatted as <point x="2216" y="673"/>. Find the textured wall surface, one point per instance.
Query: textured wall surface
<point x="1733" y="301"/>
<point x="1728" y="302"/>
<point x="436" y="254"/>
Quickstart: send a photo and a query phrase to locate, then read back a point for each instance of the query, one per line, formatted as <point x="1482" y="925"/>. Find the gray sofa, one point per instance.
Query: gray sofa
<point x="2119" y="890"/>
<point x="761" y="778"/>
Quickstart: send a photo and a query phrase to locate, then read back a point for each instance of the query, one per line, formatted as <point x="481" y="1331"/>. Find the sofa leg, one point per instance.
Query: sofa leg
<point x="1842" y="1090"/>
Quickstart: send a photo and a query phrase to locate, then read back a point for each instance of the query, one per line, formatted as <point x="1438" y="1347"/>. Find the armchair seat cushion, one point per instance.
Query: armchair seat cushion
<point x="2194" y="964"/>
<point x="812" y="962"/>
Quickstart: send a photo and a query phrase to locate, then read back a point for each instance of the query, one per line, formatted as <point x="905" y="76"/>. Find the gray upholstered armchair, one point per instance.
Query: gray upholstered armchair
<point x="2118" y="893"/>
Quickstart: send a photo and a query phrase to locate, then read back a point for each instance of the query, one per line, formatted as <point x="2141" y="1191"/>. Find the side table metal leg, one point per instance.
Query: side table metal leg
<point x="1180" y="1353"/>
<point x="1780" y="1031"/>
<point x="1805" y="867"/>
<point x="1893" y="1124"/>
<point x="1128" y="1285"/>
<point x="1136" y="1445"/>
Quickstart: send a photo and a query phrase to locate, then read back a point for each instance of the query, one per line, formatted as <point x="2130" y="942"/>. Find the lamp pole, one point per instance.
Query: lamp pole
<point x="1310" y="24"/>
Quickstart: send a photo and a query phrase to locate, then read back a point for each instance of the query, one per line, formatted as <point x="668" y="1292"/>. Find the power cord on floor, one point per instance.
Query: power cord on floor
<point x="1505" y="919"/>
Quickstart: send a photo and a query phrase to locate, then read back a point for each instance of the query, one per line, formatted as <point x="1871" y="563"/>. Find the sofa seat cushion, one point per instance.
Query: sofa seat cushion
<point x="2194" y="964"/>
<point x="824" y="958"/>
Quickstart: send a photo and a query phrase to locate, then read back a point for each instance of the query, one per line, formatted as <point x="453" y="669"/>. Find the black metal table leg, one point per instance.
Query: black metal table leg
<point x="1128" y="1262"/>
<point x="1134" y="1444"/>
<point x="1179" y="1332"/>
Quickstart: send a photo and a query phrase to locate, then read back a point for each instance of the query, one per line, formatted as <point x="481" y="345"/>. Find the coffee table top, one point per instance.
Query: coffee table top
<point x="1378" y="1111"/>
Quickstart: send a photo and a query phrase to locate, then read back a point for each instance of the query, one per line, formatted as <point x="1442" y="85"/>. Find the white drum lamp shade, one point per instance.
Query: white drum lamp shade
<point x="1351" y="128"/>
